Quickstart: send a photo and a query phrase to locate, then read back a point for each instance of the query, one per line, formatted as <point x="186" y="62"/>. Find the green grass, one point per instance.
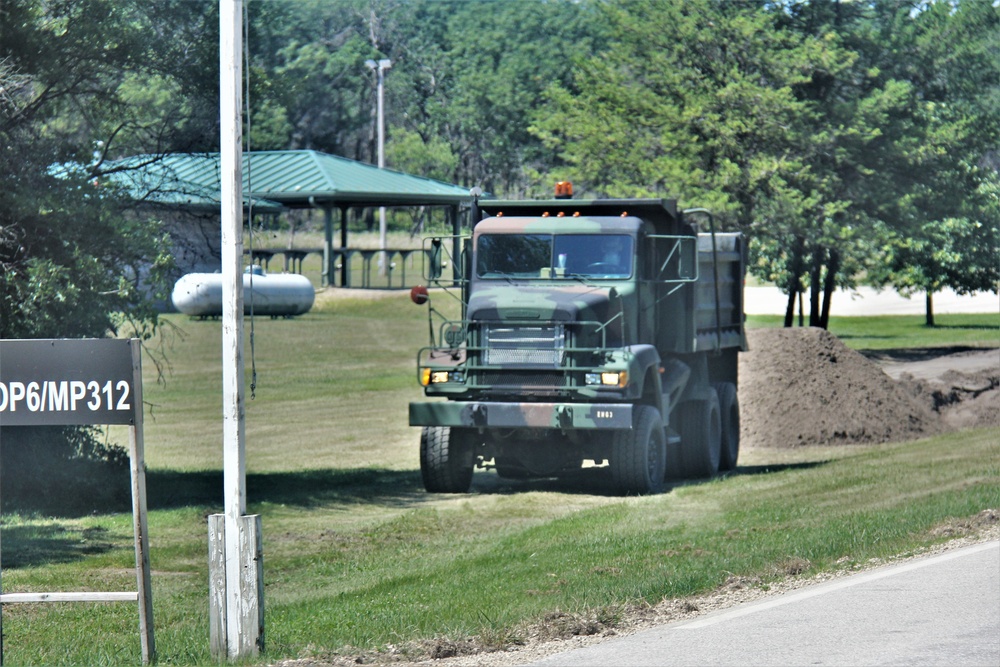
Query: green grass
<point x="906" y="331"/>
<point x="332" y="388"/>
<point x="367" y="559"/>
<point x="357" y="554"/>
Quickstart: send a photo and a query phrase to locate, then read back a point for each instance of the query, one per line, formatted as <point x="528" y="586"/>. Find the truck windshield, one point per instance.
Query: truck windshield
<point x="500" y="256"/>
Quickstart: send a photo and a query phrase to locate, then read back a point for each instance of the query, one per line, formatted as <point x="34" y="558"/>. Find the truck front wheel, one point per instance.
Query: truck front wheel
<point x="638" y="456"/>
<point x="447" y="458"/>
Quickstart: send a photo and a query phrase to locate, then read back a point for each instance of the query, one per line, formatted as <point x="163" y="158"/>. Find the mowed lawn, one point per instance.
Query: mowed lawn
<point x="332" y="389"/>
<point x="357" y="556"/>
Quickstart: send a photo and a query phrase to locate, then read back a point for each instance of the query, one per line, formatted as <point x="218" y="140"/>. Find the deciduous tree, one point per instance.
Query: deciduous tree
<point x="71" y="256"/>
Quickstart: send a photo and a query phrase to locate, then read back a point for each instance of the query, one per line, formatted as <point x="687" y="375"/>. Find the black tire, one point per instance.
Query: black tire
<point x="729" y="411"/>
<point x="446" y="459"/>
<point x="701" y="437"/>
<point x="638" y="456"/>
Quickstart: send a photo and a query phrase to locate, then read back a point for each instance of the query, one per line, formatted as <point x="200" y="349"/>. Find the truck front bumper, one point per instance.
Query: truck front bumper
<point x="479" y="414"/>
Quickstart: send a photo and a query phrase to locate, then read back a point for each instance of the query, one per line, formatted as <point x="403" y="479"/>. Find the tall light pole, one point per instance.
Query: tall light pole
<point x="379" y="67"/>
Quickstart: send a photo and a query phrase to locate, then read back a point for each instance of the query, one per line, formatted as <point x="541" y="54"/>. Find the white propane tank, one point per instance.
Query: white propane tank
<point x="276" y="295"/>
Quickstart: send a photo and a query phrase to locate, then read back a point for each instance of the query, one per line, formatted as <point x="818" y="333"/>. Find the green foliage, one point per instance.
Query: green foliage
<point x="75" y="261"/>
<point x="315" y="77"/>
<point x="829" y="133"/>
<point x="689" y="100"/>
<point x="410" y="153"/>
<point x="495" y="61"/>
<point x="954" y="252"/>
<point x="941" y="206"/>
<point x="465" y="78"/>
<point x="180" y="66"/>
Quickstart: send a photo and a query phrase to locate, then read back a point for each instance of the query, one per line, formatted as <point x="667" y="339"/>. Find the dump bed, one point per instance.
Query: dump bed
<point x="718" y="294"/>
<point x="706" y="314"/>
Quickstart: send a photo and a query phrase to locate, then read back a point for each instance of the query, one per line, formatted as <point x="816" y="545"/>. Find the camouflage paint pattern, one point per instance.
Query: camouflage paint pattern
<point x="556" y="329"/>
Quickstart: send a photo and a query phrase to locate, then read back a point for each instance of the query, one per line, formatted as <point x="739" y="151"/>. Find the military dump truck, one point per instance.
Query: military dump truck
<point x="593" y="332"/>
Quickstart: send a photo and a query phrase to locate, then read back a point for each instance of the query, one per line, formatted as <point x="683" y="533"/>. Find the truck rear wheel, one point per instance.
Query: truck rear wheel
<point x="701" y="437"/>
<point x="638" y="456"/>
<point x="729" y="411"/>
<point x="446" y="459"/>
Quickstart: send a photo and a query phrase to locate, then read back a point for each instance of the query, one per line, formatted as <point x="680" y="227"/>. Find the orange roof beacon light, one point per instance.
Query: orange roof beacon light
<point x="564" y="190"/>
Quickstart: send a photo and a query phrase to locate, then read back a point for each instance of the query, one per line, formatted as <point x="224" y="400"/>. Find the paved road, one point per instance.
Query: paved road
<point x="866" y="301"/>
<point x="937" y="610"/>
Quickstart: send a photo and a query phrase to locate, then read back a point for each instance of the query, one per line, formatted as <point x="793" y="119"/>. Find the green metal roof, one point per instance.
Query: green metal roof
<point x="162" y="187"/>
<point x="295" y="179"/>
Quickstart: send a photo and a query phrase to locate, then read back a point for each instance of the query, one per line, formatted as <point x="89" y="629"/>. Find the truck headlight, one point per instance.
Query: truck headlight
<point x="607" y="379"/>
<point x="429" y="377"/>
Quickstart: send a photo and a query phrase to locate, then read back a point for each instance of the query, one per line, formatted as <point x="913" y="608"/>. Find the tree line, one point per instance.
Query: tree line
<point x="849" y="140"/>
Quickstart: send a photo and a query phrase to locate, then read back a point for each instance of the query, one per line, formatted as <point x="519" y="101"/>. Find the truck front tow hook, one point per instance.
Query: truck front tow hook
<point x="564" y="414"/>
<point x="479" y="414"/>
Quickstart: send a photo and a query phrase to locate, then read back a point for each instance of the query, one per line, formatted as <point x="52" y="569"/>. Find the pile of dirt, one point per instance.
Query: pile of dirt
<point x="963" y="399"/>
<point x="803" y="386"/>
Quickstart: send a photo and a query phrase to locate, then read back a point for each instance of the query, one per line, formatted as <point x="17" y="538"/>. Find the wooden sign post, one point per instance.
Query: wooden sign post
<point x="81" y="382"/>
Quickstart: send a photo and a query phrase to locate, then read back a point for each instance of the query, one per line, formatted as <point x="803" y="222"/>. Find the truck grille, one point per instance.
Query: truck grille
<point x="524" y="346"/>
<point x="522" y="380"/>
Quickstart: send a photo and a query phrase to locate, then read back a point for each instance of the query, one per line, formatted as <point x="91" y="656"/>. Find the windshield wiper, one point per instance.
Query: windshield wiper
<point x="581" y="278"/>
<point x="493" y="275"/>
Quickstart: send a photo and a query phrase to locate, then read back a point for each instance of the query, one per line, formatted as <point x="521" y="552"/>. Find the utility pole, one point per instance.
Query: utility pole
<point x="379" y="67"/>
<point x="236" y="607"/>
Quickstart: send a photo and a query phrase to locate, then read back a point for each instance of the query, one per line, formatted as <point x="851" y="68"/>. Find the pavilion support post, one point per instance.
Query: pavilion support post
<point x="456" y="243"/>
<point x="328" y="267"/>
<point x="345" y="269"/>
